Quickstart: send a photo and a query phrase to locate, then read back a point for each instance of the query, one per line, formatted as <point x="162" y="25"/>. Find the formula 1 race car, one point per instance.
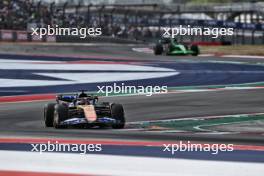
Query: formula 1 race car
<point x="83" y="111"/>
<point x="170" y="46"/>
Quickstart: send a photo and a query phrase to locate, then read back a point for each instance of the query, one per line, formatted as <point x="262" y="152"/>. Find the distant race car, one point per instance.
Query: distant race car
<point x="170" y="46"/>
<point x="84" y="111"/>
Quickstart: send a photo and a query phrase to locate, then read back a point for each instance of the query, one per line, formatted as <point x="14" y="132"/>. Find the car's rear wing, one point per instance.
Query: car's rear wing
<point x="67" y="97"/>
<point x="70" y="97"/>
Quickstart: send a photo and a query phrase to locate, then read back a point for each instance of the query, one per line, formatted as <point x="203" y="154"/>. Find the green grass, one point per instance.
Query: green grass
<point x="190" y="124"/>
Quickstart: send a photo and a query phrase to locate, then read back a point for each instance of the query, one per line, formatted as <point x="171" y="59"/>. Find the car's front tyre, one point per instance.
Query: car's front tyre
<point x="158" y="49"/>
<point x="49" y="114"/>
<point x="60" y="114"/>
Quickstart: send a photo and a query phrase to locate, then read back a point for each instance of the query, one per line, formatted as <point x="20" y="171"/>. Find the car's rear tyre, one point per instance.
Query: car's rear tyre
<point x="158" y="49"/>
<point x="117" y="112"/>
<point x="49" y="114"/>
<point x="60" y="114"/>
<point x="195" y="50"/>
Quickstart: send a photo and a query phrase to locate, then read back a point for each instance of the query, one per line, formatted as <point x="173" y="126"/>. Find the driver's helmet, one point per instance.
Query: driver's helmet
<point x="82" y="95"/>
<point x="83" y="102"/>
<point x="175" y="40"/>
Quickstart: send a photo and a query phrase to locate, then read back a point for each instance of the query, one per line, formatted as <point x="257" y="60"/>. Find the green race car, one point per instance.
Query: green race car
<point x="170" y="46"/>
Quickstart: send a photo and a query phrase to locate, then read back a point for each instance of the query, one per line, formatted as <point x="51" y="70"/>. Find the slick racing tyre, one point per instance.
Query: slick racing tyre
<point x="195" y="50"/>
<point x="117" y="112"/>
<point x="49" y="114"/>
<point x="158" y="49"/>
<point x="60" y="114"/>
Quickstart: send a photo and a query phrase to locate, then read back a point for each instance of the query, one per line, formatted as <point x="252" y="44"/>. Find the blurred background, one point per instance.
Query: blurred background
<point x="139" y="20"/>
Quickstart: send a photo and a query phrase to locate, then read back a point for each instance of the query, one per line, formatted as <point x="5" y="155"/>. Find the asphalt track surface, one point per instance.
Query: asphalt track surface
<point x="26" y="119"/>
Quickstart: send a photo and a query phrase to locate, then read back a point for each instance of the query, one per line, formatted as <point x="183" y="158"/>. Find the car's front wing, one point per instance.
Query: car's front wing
<point x="84" y="121"/>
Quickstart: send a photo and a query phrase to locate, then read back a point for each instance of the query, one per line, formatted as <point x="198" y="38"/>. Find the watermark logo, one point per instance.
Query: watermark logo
<point x="62" y="147"/>
<point x="56" y="30"/>
<point x="193" y="147"/>
<point x="196" y="31"/>
<point x="127" y="89"/>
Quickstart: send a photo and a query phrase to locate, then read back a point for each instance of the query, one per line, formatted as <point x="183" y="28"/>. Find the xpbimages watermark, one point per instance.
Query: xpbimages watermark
<point x="192" y="31"/>
<point x="56" y="30"/>
<point x="127" y="89"/>
<point x="193" y="147"/>
<point x="62" y="147"/>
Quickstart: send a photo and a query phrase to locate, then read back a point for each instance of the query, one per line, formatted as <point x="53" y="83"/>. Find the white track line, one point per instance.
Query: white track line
<point x="122" y="165"/>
